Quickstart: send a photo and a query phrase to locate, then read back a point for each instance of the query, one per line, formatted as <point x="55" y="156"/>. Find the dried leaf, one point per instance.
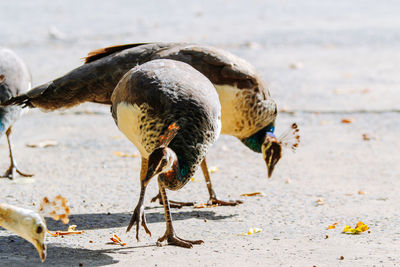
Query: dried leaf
<point x="125" y="155"/>
<point x="252" y="194"/>
<point x="360" y="227"/>
<point x="360" y="192"/>
<point x="251" y="231"/>
<point x="43" y="144"/>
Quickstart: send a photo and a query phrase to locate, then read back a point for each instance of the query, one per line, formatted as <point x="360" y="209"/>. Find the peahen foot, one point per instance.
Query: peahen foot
<point x="174" y="240"/>
<point x="138" y="218"/>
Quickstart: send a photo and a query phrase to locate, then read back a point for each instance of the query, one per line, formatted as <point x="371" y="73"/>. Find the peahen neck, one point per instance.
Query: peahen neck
<point x="255" y="141"/>
<point x="178" y="176"/>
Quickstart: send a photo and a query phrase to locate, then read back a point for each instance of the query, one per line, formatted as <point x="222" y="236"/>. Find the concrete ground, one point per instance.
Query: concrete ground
<point x="324" y="61"/>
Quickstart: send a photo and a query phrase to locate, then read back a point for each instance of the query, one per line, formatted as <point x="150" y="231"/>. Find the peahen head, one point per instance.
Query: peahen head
<point x="272" y="152"/>
<point x="163" y="158"/>
<point x="272" y="146"/>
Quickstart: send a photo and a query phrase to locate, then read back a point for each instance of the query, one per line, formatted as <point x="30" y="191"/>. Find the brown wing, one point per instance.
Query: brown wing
<point x="219" y="66"/>
<point x="103" y="52"/>
<point x="95" y="81"/>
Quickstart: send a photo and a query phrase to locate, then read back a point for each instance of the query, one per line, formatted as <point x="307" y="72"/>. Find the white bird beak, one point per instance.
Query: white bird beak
<point x="41" y="249"/>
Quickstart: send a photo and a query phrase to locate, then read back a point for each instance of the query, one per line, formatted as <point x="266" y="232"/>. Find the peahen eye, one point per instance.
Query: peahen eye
<point x="39" y="229"/>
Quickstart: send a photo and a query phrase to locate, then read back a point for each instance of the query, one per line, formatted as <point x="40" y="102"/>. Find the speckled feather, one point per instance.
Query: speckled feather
<point x="166" y="92"/>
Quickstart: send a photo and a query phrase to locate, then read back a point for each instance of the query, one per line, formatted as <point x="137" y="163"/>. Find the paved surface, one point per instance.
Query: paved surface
<point x="345" y="58"/>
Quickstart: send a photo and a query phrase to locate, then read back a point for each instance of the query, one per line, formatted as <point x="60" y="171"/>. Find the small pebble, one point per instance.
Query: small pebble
<point x="341" y="258"/>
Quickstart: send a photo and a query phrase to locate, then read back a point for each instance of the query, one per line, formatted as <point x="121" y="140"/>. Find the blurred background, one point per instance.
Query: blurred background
<point x="325" y="61"/>
<point x="317" y="55"/>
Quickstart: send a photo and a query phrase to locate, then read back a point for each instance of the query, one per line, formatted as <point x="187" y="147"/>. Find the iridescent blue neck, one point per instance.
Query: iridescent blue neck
<point x="255" y="141"/>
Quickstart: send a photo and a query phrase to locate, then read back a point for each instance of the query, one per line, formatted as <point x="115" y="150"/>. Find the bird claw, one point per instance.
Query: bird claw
<point x="174" y="240"/>
<point x="138" y="218"/>
<point x="215" y="201"/>
<point x="11" y="173"/>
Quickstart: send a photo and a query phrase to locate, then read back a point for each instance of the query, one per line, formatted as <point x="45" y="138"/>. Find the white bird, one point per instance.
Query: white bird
<point x="25" y="223"/>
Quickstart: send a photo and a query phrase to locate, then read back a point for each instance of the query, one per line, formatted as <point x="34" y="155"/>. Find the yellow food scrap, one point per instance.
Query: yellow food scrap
<point x="57" y="209"/>
<point x="333" y="225"/>
<point x="213" y="169"/>
<point x="205" y="205"/>
<point x="116" y="240"/>
<point x="252" y="194"/>
<point x="71" y="228"/>
<point x="194" y="180"/>
<point x="251" y="231"/>
<point x="71" y="231"/>
<point x="125" y="155"/>
<point x="320" y="201"/>
<point x="43" y="144"/>
<point x="360" y="227"/>
<point x="347" y="120"/>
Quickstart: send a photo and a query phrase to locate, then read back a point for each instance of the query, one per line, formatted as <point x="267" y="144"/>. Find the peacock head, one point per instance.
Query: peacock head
<point x="272" y="146"/>
<point x="163" y="158"/>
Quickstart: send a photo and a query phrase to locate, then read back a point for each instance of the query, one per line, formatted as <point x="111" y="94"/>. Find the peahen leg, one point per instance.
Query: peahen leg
<point x="170" y="235"/>
<point x="13" y="169"/>
<point x="213" y="197"/>
<point x="138" y="216"/>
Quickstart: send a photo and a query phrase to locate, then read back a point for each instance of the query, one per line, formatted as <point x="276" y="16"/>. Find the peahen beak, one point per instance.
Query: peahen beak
<point x="272" y="152"/>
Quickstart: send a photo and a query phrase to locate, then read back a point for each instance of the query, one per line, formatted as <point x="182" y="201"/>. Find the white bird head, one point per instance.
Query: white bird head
<point x="27" y="224"/>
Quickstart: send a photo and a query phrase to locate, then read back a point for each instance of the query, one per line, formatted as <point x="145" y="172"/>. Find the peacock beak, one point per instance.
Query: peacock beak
<point x="41" y="249"/>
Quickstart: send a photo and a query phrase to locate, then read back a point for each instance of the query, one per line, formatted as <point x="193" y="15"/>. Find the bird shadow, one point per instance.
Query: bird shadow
<point x="92" y="221"/>
<point x="15" y="251"/>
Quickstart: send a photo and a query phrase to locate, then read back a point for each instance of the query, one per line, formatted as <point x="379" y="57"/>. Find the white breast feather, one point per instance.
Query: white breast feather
<point x="128" y="122"/>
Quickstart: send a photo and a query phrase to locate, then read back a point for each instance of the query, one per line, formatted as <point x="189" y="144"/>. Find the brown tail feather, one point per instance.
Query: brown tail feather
<point x="103" y="52"/>
<point x="21" y="100"/>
